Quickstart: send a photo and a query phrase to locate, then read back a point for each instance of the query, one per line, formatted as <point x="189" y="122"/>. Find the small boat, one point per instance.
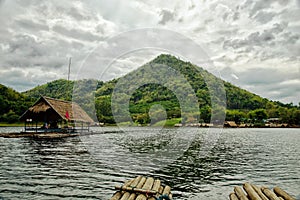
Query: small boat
<point x="142" y="188"/>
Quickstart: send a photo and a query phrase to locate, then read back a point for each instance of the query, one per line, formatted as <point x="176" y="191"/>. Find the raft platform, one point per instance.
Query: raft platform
<point x="142" y="188"/>
<point x="253" y="192"/>
<point x="49" y="135"/>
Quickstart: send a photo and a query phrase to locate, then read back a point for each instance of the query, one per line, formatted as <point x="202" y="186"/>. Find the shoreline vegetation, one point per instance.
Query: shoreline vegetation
<point x="176" y="123"/>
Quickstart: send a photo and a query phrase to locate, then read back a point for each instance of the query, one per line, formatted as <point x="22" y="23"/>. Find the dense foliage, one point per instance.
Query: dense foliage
<point x="155" y="83"/>
<point x="12" y="104"/>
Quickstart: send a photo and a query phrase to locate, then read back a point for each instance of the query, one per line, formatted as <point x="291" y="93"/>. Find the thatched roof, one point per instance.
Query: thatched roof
<point x="47" y="108"/>
<point x="230" y="123"/>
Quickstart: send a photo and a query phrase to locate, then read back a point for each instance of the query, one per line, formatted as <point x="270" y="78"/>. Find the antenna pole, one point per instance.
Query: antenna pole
<point x="70" y="59"/>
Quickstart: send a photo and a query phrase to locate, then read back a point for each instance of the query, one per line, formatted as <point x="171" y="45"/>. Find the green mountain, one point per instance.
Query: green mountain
<point x="242" y="106"/>
<point x="167" y="81"/>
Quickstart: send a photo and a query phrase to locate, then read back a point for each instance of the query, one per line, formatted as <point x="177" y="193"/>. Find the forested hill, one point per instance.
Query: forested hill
<point x="12" y="104"/>
<point x="242" y="106"/>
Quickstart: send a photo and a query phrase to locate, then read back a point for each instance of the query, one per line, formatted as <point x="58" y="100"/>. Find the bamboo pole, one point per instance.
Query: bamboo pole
<point x="148" y="184"/>
<point x="251" y="192"/>
<point x="167" y="190"/>
<point x="233" y="196"/>
<point x="259" y="192"/>
<point x="271" y="195"/>
<point x="116" y="196"/>
<point x="282" y="193"/>
<point x="125" y="196"/>
<point x="119" y="194"/>
<point x="133" y="189"/>
<point x="140" y="184"/>
<point x="240" y="193"/>
<point x="156" y="186"/>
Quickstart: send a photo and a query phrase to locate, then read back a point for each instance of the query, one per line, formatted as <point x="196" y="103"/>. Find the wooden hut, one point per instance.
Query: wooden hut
<point x="55" y="115"/>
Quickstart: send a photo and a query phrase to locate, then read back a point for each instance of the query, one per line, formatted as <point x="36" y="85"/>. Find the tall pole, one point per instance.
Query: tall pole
<point x="70" y="59"/>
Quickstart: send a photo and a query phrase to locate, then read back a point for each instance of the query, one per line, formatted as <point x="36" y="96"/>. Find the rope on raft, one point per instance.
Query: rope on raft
<point x="162" y="197"/>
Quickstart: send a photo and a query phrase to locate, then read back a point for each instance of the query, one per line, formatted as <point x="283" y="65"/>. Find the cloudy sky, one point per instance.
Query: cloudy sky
<point x="254" y="44"/>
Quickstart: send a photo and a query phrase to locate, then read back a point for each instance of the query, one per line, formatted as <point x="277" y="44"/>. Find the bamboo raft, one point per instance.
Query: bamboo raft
<point x="142" y="188"/>
<point x="50" y="135"/>
<point x="253" y="192"/>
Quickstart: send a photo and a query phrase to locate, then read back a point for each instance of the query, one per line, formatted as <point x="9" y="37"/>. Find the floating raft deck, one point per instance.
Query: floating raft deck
<point x="142" y="188"/>
<point x="253" y="192"/>
<point x="49" y="135"/>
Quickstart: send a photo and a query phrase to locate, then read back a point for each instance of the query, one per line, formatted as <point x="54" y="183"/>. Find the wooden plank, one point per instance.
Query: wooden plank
<point x="259" y="192"/>
<point x="271" y="195"/>
<point x="251" y="192"/>
<point x="233" y="196"/>
<point x="240" y="193"/>
<point x="282" y="193"/>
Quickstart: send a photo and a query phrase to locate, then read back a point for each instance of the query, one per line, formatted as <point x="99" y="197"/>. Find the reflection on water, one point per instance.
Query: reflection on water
<point x="89" y="167"/>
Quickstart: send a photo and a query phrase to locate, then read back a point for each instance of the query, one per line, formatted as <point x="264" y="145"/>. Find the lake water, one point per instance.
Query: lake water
<point x="88" y="167"/>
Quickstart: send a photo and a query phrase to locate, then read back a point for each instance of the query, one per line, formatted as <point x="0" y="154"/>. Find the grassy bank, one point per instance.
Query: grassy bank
<point x="17" y="124"/>
<point x="168" y="122"/>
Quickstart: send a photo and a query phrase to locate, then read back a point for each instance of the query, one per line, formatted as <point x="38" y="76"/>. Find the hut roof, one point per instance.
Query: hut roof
<point x="47" y="108"/>
<point x="231" y="123"/>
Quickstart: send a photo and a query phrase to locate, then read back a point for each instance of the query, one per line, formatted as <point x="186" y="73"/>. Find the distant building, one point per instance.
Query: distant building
<point x="231" y="124"/>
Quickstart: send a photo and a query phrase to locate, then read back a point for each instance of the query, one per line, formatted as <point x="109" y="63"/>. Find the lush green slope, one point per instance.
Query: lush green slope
<point x="60" y="89"/>
<point x="12" y="104"/>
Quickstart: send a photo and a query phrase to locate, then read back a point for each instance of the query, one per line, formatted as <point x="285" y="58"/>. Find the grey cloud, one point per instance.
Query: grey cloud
<point x="258" y="5"/>
<point x="269" y="83"/>
<point x="1" y="2"/>
<point x="264" y="16"/>
<point x="30" y="25"/>
<point x="77" y="15"/>
<point x="263" y="39"/>
<point x="77" y="34"/>
<point x="166" y="16"/>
